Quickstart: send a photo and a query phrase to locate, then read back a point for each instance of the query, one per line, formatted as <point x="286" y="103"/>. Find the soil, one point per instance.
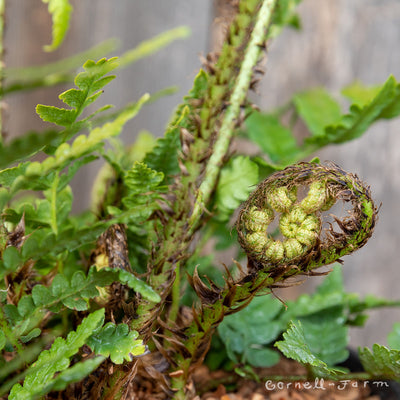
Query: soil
<point x="222" y="385"/>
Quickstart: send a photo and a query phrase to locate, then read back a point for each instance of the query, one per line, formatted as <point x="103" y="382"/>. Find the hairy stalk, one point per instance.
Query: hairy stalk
<point x="228" y="123"/>
<point x="199" y="121"/>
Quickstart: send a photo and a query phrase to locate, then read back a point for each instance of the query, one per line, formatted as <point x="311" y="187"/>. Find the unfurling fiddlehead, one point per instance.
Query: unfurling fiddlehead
<point x="306" y="244"/>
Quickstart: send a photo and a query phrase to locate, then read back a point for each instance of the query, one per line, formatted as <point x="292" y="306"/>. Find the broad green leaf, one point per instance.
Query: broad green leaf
<point x="326" y="335"/>
<point x="60" y="11"/>
<point x="381" y="362"/>
<point x="11" y="258"/>
<point x="261" y="357"/>
<point x="265" y="169"/>
<point x="327" y="295"/>
<point x="251" y="330"/>
<point x="273" y="138"/>
<point x="117" y="342"/>
<point x="317" y="109"/>
<point x="295" y="346"/>
<point x="40" y="375"/>
<point x="236" y="181"/>
<point x="72" y="293"/>
<point x="394" y="337"/>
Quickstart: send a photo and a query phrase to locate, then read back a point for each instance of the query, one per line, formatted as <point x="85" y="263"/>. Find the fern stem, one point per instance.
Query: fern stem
<point x="238" y="96"/>
<point x="53" y="189"/>
<point x="176" y="289"/>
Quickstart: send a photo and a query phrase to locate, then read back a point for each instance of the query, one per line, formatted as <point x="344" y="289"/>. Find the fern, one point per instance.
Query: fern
<point x="89" y="84"/>
<point x="351" y="126"/>
<point x="40" y="376"/>
<point x="61" y="12"/>
<point x="381" y="362"/>
<point x="295" y="346"/>
<point x="71" y="293"/>
<point x="114" y="340"/>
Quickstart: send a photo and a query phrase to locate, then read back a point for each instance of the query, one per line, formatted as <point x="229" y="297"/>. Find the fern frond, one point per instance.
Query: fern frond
<point x="60" y="11"/>
<point x="89" y="84"/>
<point x="40" y="375"/>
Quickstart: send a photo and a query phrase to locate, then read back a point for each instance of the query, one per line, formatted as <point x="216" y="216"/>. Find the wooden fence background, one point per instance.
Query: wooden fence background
<point x="340" y="41"/>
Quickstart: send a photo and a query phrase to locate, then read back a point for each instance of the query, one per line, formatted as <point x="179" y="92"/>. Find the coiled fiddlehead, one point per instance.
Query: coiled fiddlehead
<point x="306" y="242"/>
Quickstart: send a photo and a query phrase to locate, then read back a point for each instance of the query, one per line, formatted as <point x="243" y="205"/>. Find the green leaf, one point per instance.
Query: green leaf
<point x="360" y="94"/>
<point x="56" y="115"/>
<point x="142" y="183"/>
<point x="381" y="362"/>
<point x="139" y="286"/>
<point x="31" y="335"/>
<point x="11" y="258"/>
<point x="144" y="144"/>
<point x="89" y="84"/>
<point x="394" y="337"/>
<point x="154" y="44"/>
<point x="326" y="335"/>
<point x="40" y="375"/>
<point x="76" y="373"/>
<point x="61" y="11"/>
<point x="261" y="357"/>
<point x="317" y="109"/>
<point x="141" y="179"/>
<point x="164" y="156"/>
<point x="351" y="126"/>
<point x="49" y="74"/>
<point x="327" y="295"/>
<point x="2" y="340"/>
<point x="284" y="14"/>
<point x="251" y="330"/>
<point x="236" y="181"/>
<point x="273" y="138"/>
<point x="295" y="346"/>
<point x="25" y="146"/>
<point x="9" y="175"/>
<point x="80" y="147"/>
<point x="72" y="293"/>
<point x="370" y="302"/>
<point x="117" y="342"/>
